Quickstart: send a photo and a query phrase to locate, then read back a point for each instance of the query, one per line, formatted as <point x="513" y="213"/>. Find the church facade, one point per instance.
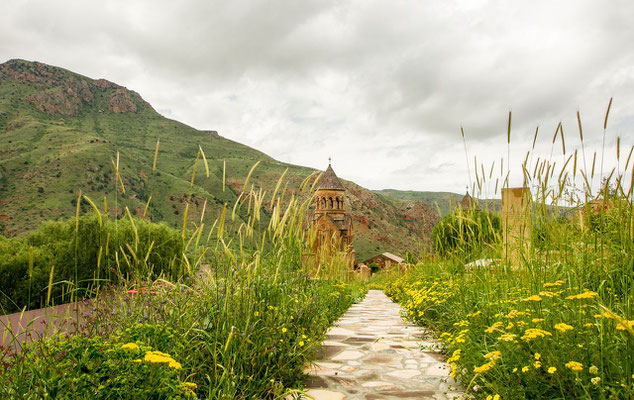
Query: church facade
<point x="331" y="221"/>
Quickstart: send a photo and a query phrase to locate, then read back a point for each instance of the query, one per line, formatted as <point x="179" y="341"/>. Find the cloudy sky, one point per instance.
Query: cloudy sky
<point x="381" y="86"/>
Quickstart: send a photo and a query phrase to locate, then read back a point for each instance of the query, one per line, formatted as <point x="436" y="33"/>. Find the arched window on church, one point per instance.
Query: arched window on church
<point x="330" y="204"/>
<point x="323" y="202"/>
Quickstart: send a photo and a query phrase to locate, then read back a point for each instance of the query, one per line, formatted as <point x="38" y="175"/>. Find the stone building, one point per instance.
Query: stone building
<point x="331" y="220"/>
<point x="468" y="202"/>
<point x="385" y="260"/>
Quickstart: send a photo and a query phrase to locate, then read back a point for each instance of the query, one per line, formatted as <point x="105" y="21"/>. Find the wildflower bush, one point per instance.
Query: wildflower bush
<point x="552" y="317"/>
<point x="504" y="338"/>
<point x="94" y="367"/>
<point x="213" y="340"/>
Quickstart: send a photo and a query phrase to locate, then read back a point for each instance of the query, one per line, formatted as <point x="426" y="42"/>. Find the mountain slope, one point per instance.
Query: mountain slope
<point x="442" y="202"/>
<point x="60" y="132"/>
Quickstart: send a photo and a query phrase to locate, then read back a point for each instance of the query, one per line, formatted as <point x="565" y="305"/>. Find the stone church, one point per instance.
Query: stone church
<point x="331" y="220"/>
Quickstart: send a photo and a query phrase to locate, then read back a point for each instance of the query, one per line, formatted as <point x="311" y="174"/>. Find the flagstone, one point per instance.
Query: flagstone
<point x="371" y="353"/>
<point x="348" y="355"/>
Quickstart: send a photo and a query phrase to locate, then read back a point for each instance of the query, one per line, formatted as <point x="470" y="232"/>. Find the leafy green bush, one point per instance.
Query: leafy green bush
<point x="97" y="252"/>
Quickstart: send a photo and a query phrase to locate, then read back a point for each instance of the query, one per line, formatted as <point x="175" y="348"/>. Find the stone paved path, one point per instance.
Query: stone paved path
<point x="370" y="353"/>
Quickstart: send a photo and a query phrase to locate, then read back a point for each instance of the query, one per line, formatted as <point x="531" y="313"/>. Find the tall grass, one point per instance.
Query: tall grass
<point x="230" y="299"/>
<point x="555" y="321"/>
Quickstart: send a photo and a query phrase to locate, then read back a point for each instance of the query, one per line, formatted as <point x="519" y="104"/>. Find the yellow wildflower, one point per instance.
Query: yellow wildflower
<point x="533" y="298"/>
<point x="574" y="365"/>
<point x="510" y="326"/>
<point x="484" y="367"/>
<point x="593" y="370"/>
<point x="553" y="284"/>
<point x="494" y="355"/>
<point x="524" y="369"/>
<point x="588" y="294"/>
<point x="537" y="356"/>
<point x="284" y="330"/>
<point x="588" y="325"/>
<point x="552" y="370"/>
<point x="160" y="357"/>
<point x="494" y="327"/>
<point x="624" y="324"/>
<point x="256" y="314"/>
<point x="454" y="370"/>
<point x="130" y="346"/>
<point x="455" y="356"/>
<point x="536" y="320"/>
<point x="547" y="293"/>
<point x="514" y="370"/>
<point x="157" y="357"/>
<point x="562" y="327"/>
<point x="507" y="337"/>
<point x="533" y="333"/>
<point x="537" y="364"/>
<point x="514" y="314"/>
<point x="301" y="343"/>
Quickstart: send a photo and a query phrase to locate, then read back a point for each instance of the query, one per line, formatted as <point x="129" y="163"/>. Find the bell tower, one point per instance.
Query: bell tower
<point x="331" y="218"/>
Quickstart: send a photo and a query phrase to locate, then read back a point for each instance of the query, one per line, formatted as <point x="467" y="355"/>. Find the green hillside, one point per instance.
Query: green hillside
<point x="60" y="133"/>
<point x="438" y="200"/>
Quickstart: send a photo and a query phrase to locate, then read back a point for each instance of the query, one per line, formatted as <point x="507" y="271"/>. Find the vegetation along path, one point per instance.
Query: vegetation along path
<point x="371" y="353"/>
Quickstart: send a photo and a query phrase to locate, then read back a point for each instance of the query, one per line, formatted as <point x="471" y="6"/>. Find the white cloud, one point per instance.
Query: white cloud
<point x="382" y="87"/>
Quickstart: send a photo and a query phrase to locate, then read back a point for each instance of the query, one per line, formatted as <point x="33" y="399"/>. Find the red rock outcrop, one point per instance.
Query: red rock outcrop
<point x="56" y="102"/>
<point x="63" y="93"/>
<point x="104" y="84"/>
<point x="121" y="101"/>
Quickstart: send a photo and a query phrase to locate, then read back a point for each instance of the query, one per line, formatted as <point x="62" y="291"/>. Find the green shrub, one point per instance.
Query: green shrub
<point x="97" y="253"/>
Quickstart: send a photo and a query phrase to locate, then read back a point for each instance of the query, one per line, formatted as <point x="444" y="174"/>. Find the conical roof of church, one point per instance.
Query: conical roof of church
<point x="467" y="201"/>
<point x="329" y="180"/>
